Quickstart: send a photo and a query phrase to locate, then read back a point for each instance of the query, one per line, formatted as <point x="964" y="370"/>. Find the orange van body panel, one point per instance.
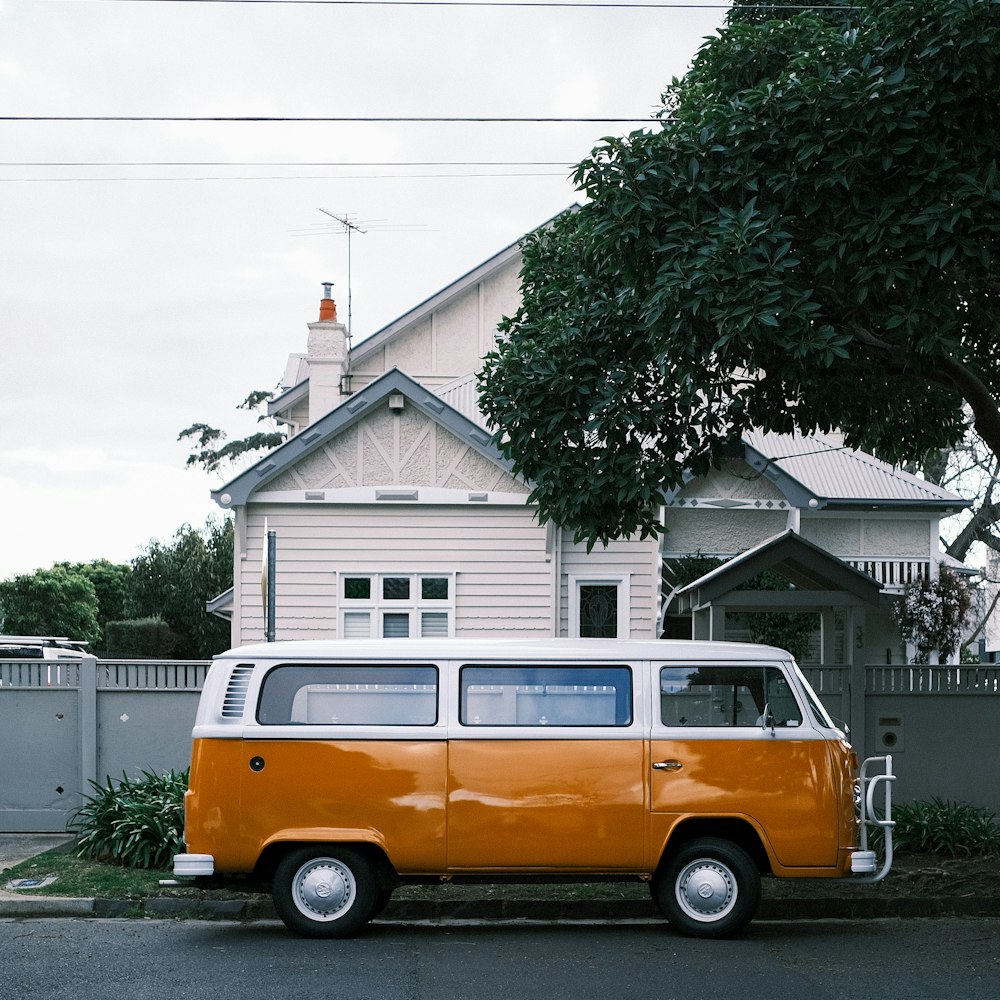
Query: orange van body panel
<point x="522" y="805"/>
<point x="789" y="790"/>
<point x="546" y="805"/>
<point x="390" y="793"/>
<point x="212" y="814"/>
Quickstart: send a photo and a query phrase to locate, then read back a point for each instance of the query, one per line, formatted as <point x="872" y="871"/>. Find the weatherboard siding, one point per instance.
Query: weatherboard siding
<point x="633" y="558"/>
<point x="497" y="553"/>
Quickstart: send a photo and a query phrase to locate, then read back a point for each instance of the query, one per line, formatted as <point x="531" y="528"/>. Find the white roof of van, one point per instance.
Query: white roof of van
<point x="505" y="649"/>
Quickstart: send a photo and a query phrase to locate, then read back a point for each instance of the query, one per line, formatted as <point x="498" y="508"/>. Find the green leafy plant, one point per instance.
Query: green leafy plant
<point x="938" y="826"/>
<point x="135" y="822"/>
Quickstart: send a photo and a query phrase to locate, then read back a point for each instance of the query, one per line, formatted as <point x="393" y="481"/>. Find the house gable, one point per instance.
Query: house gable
<point x="394" y="433"/>
<point x="409" y="448"/>
<point x="447" y="334"/>
<point x="809" y="568"/>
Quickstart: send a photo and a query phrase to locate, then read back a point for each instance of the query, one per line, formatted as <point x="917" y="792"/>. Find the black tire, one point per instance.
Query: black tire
<point x="382" y="897"/>
<point x="710" y="888"/>
<point x="324" y="891"/>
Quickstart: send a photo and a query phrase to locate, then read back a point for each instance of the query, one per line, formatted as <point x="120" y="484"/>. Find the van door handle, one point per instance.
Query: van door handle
<point x="667" y="765"/>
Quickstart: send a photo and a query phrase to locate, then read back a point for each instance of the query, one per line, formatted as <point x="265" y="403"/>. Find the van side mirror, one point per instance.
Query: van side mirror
<point x="767" y="718"/>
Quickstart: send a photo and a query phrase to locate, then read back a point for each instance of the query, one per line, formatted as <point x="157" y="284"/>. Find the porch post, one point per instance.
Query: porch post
<point x="857" y="675"/>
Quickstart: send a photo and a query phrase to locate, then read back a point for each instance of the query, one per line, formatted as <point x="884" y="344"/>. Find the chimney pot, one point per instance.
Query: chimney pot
<point x="327" y="307"/>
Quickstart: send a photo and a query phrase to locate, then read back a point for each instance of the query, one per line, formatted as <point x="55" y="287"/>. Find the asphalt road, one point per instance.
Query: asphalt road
<point x="86" y="959"/>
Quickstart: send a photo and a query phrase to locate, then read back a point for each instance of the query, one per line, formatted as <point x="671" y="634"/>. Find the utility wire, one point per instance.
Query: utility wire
<point x="578" y="4"/>
<point x="286" y="163"/>
<point x="279" y="177"/>
<point x="326" y="119"/>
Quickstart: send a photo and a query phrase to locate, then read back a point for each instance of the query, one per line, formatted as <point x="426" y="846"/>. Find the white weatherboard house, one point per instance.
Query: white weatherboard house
<point x="395" y="514"/>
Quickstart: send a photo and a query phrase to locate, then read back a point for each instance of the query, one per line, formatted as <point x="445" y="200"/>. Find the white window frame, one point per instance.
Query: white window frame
<point x="377" y="607"/>
<point x="618" y="580"/>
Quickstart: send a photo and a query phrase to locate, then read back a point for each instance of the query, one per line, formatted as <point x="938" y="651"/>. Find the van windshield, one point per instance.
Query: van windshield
<point x="817" y="708"/>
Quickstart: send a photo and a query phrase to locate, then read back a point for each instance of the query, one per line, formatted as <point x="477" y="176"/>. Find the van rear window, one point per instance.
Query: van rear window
<point x="349" y="695"/>
<point x="546" y="696"/>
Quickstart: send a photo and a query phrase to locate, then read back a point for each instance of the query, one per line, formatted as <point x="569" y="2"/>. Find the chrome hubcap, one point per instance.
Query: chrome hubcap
<point x="323" y="889"/>
<point x="706" y="889"/>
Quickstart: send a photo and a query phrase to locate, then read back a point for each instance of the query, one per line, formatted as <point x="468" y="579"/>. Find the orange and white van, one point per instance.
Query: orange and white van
<point x="337" y="771"/>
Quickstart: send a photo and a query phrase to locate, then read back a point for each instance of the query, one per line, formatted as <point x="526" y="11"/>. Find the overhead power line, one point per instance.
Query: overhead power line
<point x="329" y="119"/>
<point x="600" y="5"/>
<point x="283" y="177"/>
<point x="285" y="163"/>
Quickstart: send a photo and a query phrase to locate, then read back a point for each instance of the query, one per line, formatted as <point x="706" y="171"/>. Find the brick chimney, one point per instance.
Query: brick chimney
<point x="326" y="357"/>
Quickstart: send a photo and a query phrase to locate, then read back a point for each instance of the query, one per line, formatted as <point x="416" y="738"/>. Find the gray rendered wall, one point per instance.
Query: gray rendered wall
<point x="65" y="723"/>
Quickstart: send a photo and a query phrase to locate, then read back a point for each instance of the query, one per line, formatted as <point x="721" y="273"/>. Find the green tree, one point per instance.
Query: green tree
<point x="50" y="602"/>
<point x="211" y="449"/>
<point x="110" y="582"/>
<point x="808" y="240"/>
<point x="174" y="580"/>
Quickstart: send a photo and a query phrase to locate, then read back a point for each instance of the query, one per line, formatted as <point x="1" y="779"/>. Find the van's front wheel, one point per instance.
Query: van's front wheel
<point x="324" y="891"/>
<point x="710" y="888"/>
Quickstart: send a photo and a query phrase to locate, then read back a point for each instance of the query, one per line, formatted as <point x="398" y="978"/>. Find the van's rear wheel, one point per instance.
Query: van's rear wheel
<point x="324" y="891"/>
<point x="710" y="888"/>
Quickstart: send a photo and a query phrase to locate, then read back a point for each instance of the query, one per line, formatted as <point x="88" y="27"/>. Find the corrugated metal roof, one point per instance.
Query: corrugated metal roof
<point x="833" y="472"/>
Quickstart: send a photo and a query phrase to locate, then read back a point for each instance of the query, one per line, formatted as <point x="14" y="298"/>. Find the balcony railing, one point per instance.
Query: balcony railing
<point x="894" y="574"/>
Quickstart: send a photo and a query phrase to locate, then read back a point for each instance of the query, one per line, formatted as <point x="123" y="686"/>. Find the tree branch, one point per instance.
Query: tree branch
<point x="956" y="377"/>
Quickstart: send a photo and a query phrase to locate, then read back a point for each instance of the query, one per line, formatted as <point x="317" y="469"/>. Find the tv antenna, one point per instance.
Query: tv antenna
<point x="349" y="227"/>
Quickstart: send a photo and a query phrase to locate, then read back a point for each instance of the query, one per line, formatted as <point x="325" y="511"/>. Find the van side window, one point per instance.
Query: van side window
<point x="725" y="696"/>
<point x="349" y="695"/>
<point x="546" y="696"/>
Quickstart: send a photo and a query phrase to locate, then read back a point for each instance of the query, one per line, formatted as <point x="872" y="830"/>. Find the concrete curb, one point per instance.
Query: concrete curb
<point x="18" y="907"/>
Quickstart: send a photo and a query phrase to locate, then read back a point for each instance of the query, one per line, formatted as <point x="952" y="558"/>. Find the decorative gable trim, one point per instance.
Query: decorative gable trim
<point x="314" y="439"/>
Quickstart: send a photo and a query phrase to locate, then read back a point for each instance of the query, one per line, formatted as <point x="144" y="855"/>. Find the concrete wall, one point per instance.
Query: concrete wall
<point x="65" y="724"/>
<point x="938" y="722"/>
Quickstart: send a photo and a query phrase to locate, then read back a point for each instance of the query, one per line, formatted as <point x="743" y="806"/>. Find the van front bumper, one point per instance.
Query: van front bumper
<point x="192" y="865"/>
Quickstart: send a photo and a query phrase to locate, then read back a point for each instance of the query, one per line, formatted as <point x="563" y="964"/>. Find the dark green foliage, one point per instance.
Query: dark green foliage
<point x="50" y="602"/>
<point x="110" y="582"/>
<point x="791" y="630"/>
<point x="138" y="822"/>
<point x="808" y="240"/>
<point x="166" y="589"/>
<point x="694" y="566"/>
<point x="173" y="581"/>
<point x="140" y="638"/>
<point x="937" y="826"/>
<point x="212" y="450"/>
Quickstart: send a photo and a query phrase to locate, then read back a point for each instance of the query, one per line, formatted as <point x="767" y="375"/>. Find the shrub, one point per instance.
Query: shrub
<point x="933" y="616"/>
<point x="937" y="826"/>
<point x="140" y="638"/>
<point x="137" y="822"/>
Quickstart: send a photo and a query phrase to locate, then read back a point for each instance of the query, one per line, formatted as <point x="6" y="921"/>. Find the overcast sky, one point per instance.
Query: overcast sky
<point x="152" y="273"/>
